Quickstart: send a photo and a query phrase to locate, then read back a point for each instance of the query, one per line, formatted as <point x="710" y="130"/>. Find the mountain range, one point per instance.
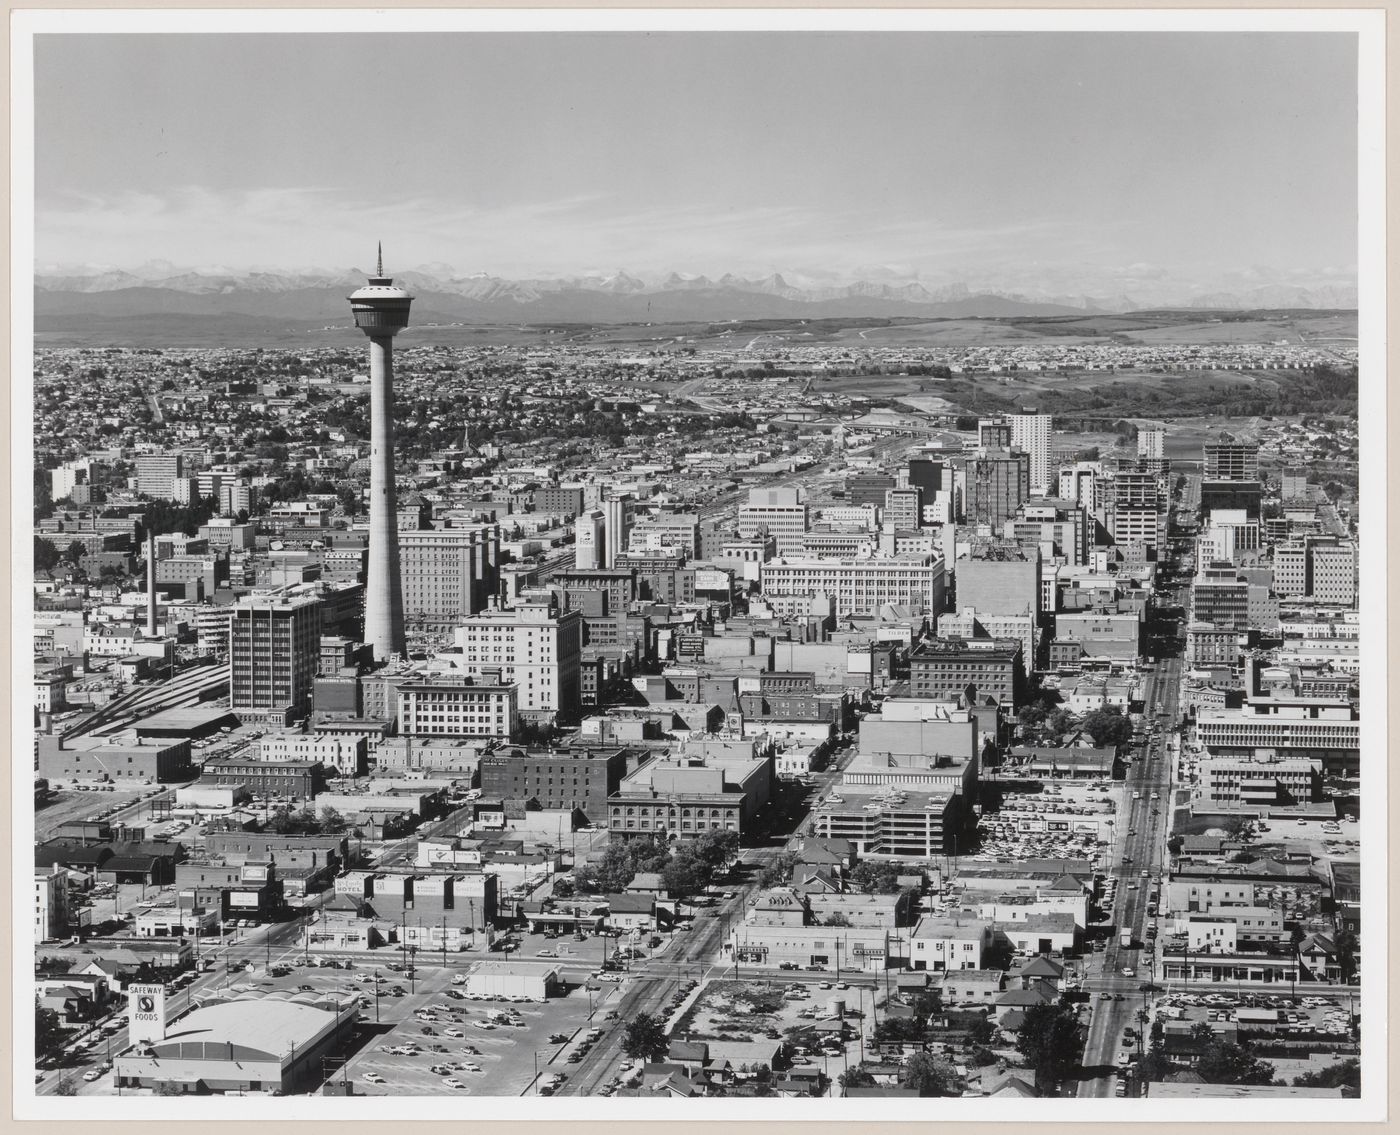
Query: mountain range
<point x="316" y="295"/>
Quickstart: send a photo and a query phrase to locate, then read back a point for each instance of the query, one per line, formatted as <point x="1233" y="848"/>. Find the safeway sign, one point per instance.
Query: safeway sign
<point x="146" y="1012"/>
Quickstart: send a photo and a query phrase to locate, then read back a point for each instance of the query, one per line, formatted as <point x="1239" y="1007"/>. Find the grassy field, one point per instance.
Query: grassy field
<point x="1296" y="331"/>
<point x="940" y="333"/>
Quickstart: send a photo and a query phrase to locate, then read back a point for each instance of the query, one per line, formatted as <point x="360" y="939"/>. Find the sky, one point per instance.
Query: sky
<point x="1065" y="160"/>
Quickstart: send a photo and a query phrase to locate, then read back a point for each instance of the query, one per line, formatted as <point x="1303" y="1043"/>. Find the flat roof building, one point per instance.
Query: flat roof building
<point x="263" y="1044"/>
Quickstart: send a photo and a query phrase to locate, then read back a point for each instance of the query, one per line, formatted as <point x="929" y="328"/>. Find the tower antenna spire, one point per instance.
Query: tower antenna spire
<point x="379" y="266"/>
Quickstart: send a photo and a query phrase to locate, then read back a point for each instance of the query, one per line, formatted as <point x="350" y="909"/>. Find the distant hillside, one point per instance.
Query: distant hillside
<point x="517" y="305"/>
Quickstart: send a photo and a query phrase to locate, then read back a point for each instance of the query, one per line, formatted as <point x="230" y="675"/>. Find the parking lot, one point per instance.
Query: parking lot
<point x="500" y="1040"/>
<point x="999" y="837"/>
<point x="593" y="951"/>
<point x="500" y="1045"/>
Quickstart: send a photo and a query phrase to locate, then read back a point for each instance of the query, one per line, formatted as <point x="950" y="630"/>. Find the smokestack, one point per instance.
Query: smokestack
<point x="150" y="585"/>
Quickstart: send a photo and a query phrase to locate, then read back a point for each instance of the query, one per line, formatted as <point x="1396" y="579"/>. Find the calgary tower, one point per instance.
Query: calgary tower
<point x="381" y="312"/>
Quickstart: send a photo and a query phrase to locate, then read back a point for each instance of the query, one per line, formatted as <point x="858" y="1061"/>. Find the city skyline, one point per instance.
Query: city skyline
<point x="859" y="590"/>
<point x="1080" y="162"/>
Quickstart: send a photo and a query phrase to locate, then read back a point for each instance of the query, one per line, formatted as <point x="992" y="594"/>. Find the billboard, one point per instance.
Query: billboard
<point x="146" y="1012"/>
<point x="712" y="579"/>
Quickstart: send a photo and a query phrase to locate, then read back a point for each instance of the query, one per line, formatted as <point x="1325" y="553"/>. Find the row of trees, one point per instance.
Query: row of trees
<point x="47" y="556"/>
<point x="1218" y="1061"/>
<point x="284" y="821"/>
<point x="686" y="867"/>
<point x="1107" y="726"/>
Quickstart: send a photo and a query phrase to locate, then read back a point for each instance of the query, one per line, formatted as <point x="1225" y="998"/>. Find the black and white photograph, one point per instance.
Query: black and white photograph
<point x="725" y="565"/>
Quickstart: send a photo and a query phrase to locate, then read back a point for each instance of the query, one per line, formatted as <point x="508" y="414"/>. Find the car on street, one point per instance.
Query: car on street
<point x="1128" y="971"/>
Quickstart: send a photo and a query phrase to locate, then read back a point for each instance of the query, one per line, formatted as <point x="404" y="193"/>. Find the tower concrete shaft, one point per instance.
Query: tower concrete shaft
<point x="381" y="312"/>
<point x="384" y="629"/>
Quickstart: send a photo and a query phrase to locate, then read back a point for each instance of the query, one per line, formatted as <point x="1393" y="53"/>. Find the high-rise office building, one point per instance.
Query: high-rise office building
<point x="903" y="508"/>
<point x="534" y="646"/>
<point x="1080" y="483"/>
<point x="1294" y="484"/>
<point x="928" y="476"/>
<point x="448" y="573"/>
<point x="1231" y="461"/>
<point x="1151" y="442"/>
<point x="666" y="531"/>
<point x="1136" y="510"/>
<point x="1030" y="432"/>
<point x="994" y="433"/>
<point x="157" y="474"/>
<point x="1220" y="597"/>
<point x="855" y="586"/>
<point x="1321" y="568"/>
<point x="780" y="512"/>
<point x="868" y="487"/>
<point x="381" y="312"/>
<point x="274" y="655"/>
<point x="999" y="577"/>
<point x="998" y="481"/>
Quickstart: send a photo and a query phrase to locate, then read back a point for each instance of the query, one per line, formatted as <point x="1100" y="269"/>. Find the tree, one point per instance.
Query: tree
<point x="1108" y="725"/>
<point x="48" y="1032"/>
<point x="75" y="552"/>
<point x="1050" y="1039"/>
<point x="876" y="877"/>
<point x="1222" y="1062"/>
<point x="716" y="849"/>
<point x="280" y="820"/>
<point x="685" y="874"/>
<point x="778" y="871"/>
<point x="644" y="1037"/>
<point x="332" y="822"/>
<point x="836" y="918"/>
<point x="65" y="1086"/>
<point x="930" y="1075"/>
<point x="1154" y="1065"/>
<point x="1032" y="717"/>
<point x="46" y="555"/>
<point x="900" y="1029"/>
<point x="1175" y="844"/>
<point x="1344" y="1074"/>
<point x="1060" y="722"/>
<point x="1345" y="944"/>
<point x="1237" y="827"/>
<point x="855" y="1078"/>
<point x="982" y="1031"/>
